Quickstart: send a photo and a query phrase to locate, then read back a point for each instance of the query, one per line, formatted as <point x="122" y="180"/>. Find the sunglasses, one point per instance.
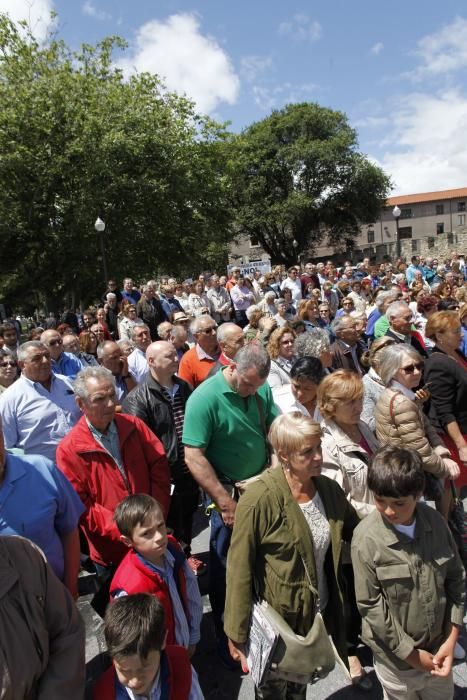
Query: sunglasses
<point x="410" y="369"/>
<point x="208" y="331"/>
<point x="7" y="364"/>
<point x="58" y="341"/>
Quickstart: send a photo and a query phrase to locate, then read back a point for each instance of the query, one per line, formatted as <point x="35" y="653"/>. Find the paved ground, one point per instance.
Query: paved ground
<point x="219" y="683"/>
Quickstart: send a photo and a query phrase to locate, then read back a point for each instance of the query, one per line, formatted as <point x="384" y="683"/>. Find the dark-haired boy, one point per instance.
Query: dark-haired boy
<point x="156" y="564"/>
<point x="409" y="582"/>
<point x="143" y="666"/>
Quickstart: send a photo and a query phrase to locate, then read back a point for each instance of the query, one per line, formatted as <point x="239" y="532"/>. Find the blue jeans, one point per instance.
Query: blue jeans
<point x="219" y="543"/>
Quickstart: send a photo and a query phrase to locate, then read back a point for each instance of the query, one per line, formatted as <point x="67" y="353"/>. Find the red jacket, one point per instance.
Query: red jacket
<point x="132" y="576"/>
<point x="175" y="678"/>
<point x="98" y="482"/>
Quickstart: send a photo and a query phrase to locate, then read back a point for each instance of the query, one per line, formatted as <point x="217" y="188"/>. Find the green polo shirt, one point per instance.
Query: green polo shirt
<point x="229" y="427"/>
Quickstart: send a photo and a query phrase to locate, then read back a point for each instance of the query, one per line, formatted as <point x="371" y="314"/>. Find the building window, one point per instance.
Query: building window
<point x="431" y="242"/>
<point x="460" y="206"/>
<point x="406" y="213"/>
<point x="461" y="218"/>
<point x="371" y="236"/>
<point x="254" y="243"/>
<point x="440" y="209"/>
<point x="405" y="232"/>
<point x="440" y="228"/>
<point x="450" y="239"/>
<point x="414" y="245"/>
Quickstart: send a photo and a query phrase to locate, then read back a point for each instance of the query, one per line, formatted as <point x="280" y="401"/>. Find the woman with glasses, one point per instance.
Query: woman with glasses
<point x="8" y="370"/>
<point x="127" y="318"/>
<point x="281" y="352"/>
<point x="446" y="373"/>
<point x="348" y="306"/>
<point x="400" y="420"/>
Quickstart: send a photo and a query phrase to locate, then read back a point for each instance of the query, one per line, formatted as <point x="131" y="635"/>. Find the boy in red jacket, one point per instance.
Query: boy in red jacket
<point x="143" y="666"/>
<point x="157" y="565"/>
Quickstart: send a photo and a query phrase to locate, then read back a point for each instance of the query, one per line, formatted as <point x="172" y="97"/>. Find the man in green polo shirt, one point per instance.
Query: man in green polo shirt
<point x="226" y="419"/>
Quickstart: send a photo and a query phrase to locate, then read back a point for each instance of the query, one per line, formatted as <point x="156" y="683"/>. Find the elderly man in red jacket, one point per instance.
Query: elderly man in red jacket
<point x="106" y="457"/>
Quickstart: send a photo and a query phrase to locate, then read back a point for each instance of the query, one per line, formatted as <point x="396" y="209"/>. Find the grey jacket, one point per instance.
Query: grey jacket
<point x="373" y="387"/>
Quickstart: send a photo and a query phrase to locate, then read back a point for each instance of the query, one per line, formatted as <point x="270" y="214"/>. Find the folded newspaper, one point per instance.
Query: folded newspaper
<point x="261" y="644"/>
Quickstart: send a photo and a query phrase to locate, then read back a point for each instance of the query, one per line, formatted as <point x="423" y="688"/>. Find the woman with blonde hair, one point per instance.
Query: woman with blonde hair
<point x="348" y="443"/>
<point x="127" y="318"/>
<point x="277" y="556"/>
<point x="309" y="314"/>
<point x="281" y="352"/>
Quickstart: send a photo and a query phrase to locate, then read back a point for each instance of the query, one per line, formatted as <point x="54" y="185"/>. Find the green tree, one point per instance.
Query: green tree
<point x="298" y="176"/>
<point x="77" y="140"/>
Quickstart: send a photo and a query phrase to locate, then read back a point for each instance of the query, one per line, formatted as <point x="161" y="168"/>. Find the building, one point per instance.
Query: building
<point x="430" y="223"/>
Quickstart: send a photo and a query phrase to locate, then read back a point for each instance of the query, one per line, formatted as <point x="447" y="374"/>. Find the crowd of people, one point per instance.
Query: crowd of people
<point x="319" y="414"/>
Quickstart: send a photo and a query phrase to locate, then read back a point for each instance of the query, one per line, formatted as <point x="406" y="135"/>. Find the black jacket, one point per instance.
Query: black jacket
<point x="152" y="313"/>
<point x="448" y="388"/>
<point x="413" y="342"/>
<point x="148" y="402"/>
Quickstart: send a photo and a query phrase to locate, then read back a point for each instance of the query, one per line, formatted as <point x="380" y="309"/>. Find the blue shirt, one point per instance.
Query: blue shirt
<point x="68" y="365"/>
<point x="38" y="502"/>
<point x="34" y="419"/>
<point x="133" y="297"/>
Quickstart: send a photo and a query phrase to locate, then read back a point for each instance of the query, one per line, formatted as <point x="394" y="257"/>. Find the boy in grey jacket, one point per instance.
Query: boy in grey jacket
<point x="409" y="582"/>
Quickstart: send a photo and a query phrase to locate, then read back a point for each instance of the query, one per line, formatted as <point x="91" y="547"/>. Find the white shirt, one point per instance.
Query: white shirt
<point x="397" y="386"/>
<point x="295" y="287"/>
<point x="156" y="690"/>
<point x="138" y="365"/>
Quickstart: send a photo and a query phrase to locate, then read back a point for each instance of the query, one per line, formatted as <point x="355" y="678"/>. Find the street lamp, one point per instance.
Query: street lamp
<point x="99" y="225"/>
<point x="396" y="212"/>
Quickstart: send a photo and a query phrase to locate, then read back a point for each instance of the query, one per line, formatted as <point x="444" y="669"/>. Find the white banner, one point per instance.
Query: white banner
<point x="249" y="268"/>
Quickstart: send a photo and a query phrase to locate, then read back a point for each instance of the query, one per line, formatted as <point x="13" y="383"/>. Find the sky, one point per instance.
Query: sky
<point x="398" y="70"/>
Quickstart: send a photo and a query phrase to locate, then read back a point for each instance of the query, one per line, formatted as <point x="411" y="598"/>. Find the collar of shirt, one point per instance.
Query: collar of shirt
<point x="154" y="693"/>
<point x="204" y="355"/>
<point x="405" y="338"/>
<point x="111" y="431"/>
<point x="35" y="385"/>
<point x="403" y="390"/>
<point x="171" y="390"/>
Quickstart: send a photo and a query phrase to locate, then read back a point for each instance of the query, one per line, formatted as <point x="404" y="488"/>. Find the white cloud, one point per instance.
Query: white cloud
<point x="424" y="150"/>
<point x="35" y="12"/>
<point x="377" y="48"/>
<point x="189" y="62"/>
<point x="253" y="66"/>
<point x="92" y="11"/>
<point x="443" y="52"/>
<point x="271" y="97"/>
<point x="302" y="28"/>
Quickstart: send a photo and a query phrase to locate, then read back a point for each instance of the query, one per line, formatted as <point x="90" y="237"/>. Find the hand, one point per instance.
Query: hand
<point x="228" y="508"/>
<point x="463" y="454"/>
<point x="191" y="650"/>
<point x="421" y="660"/>
<point x="452" y="468"/>
<point x="443" y="660"/>
<point x="124" y="366"/>
<point x="269" y="323"/>
<point x="422" y="395"/>
<point x="237" y="652"/>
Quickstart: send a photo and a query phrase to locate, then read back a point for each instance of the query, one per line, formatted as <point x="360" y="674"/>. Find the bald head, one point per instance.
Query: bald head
<point x="53" y="342"/>
<point x="162" y="360"/>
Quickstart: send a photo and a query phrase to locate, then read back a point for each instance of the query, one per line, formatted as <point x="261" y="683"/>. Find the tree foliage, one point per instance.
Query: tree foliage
<point x="77" y="140"/>
<point x="298" y="176"/>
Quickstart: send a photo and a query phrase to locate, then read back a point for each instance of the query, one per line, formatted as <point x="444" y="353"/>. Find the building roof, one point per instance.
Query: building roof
<point x="427" y="197"/>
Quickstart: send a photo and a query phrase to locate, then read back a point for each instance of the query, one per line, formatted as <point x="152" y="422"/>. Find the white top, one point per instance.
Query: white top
<point x="137" y="365"/>
<point x="315" y="516"/>
<point x="295" y="287"/>
<point x="408" y="530"/>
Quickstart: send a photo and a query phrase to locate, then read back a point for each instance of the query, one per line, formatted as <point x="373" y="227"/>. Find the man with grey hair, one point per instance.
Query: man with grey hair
<point x="221" y="303"/>
<point x="111" y="315"/>
<point x="346" y="350"/>
<point x="39" y="409"/>
<point x="164" y="329"/>
<point x="196" y="364"/>
<point x="149" y="308"/>
<point x="64" y="363"/>
<point x="314" y="343"/>
<point x="400" y="317"/>
<point x="230" y="338"/>
<point x="137" y="364"/>
<point x="377" y="319"/>
<point x="112" y="358"/>
<point x="178" y="338"/>
<point x="227" y="420"/>
<point x="106" y="457"/>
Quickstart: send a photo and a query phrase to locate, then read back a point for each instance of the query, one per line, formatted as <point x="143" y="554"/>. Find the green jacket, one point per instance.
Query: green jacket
<point x="408" y="591"/>
<point x="269" y="535"/>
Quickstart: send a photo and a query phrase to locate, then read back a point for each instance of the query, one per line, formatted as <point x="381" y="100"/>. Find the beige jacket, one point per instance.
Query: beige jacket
<point x="402" y="423"/>
<point x="347" y="463"/>
<point x="41" y="632"/>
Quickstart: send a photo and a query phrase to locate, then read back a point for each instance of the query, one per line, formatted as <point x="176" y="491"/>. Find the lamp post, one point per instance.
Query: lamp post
<point x="99" y="225"/>
<point x="396" y="212"/>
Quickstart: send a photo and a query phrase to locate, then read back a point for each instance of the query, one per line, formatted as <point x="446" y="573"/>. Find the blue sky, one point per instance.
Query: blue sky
<point x="399" y="69"/>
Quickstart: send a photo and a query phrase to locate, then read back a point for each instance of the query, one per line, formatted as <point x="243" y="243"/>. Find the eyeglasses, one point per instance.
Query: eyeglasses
<point x="208" y="331"/>
<point x="410" y="369"/>
<point x="57" y="341"/>
<point x="8" y="364"/>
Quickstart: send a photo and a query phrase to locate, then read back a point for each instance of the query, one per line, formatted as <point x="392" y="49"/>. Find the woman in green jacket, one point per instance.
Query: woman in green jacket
<point x="291" y="515"/>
